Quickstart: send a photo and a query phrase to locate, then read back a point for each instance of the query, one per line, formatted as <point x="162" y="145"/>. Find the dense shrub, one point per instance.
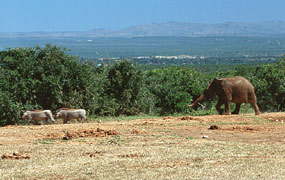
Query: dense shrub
<point x="269" y="83"/>
<point x="175" y="88"/>
<point x="49" y="78"/>
<point x="125" y="91"/>
<point x="45" y="78"/>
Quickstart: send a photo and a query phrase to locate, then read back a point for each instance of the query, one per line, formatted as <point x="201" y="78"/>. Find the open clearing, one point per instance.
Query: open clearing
<point x="202" y="147"/>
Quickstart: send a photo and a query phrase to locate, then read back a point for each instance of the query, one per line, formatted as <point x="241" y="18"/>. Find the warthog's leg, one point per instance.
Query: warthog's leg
<point x="65" y="120"/>
<point x="28" y="119"/>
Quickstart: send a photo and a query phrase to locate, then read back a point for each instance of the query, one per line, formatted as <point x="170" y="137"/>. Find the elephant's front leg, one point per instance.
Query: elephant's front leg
<point x="236" y="111"/>
<point x="218" y="107"/>
<point x="227" y="108"/>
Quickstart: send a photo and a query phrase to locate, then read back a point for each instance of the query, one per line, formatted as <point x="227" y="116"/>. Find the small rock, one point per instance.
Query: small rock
<point x="111" y="132"/>
<point x="134" y="131"/>
<point x="205" y="137"/>
<point x="17" y="154"/>
<point x="67" y="138"/>
<point x="145" y="123"/>
<point x="213" y="127"/>
<point x="5" y="156"/>
<point x="99" y="130"/>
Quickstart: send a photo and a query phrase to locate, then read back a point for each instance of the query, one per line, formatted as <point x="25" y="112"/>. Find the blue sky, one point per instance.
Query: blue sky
<point x="82" y="15"/>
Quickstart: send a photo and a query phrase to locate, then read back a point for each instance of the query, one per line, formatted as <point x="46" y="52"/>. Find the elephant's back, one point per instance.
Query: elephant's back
<point x="239" y="81"/>
<point x="243" y="90"/>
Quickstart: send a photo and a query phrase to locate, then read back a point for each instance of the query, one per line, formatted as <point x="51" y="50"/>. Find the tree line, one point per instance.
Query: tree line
<point x="49" y="78"/>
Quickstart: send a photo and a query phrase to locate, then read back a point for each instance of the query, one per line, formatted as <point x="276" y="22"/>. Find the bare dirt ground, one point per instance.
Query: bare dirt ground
<point x="202" y="147"/>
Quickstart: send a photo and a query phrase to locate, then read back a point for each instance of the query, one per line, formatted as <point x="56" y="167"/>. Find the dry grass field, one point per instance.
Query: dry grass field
<point x="204" y="147"/>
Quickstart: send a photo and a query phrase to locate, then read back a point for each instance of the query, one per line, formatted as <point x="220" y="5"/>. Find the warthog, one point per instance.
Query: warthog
<point x="67" y="114"/>
<point x="37" y="115"/>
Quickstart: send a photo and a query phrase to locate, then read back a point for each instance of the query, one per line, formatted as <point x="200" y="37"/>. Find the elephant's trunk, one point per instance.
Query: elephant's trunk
<point x="197" y="100"/>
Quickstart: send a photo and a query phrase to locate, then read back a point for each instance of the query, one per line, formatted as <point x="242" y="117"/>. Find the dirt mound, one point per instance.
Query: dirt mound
<point x="234" y="128"/>
<point x="135" y="131"/>
<point x="241" y="128"/>
<point x="214" y="127"/>
<point x="89" y="133"/>
<point x="275" y="118"/>
<point x="146" y="123"/>
<point x="130" y="155"/>
<point x="54" y="135"/>
<point x="184" y="118"/>
<point x="168" y="117"/>
<point x="191" y="118"/>
<point x="15" y="155"/>
<point x="94" y="154"/>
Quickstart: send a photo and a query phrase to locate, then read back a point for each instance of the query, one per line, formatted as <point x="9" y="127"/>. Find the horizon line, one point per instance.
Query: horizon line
<point x="130" y="26"/>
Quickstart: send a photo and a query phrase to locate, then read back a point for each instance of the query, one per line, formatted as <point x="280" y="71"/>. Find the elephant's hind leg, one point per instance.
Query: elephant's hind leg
<point x="236" y="111"/>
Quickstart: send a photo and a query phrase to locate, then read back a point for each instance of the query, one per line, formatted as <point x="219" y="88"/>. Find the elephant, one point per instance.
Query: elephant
<point x="236" y="90"/>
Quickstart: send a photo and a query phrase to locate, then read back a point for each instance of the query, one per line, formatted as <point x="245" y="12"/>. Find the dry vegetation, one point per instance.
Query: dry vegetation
<point x="206" y="147"/>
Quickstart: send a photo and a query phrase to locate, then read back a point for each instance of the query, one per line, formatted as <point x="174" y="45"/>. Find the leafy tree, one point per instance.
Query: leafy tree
<point x="174" y="88"/>
<point x="269" y="84"/>
<point x="272" y="93"/>
<point x="126" y="91"/>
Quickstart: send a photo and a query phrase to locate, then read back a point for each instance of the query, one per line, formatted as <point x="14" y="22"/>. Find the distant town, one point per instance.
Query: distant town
<point x="158" y="57"/>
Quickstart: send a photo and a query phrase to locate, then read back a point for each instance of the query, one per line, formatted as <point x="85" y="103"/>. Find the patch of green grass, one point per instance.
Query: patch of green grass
<point x="260" y="120"/>
<point x="203" y="112"/>
<point x="89" y="173"/>
<point x="211" y="110"/>
<point x="189" y="138"/>
<point x="122" y="118"/>
<point x="216" y="123"/>
<point x="46" y="141"/>
<point x="115" y="140"/>
<point x="81" y="140"/>
<point x="225" y="123"/>
<point x="180" y="124"/>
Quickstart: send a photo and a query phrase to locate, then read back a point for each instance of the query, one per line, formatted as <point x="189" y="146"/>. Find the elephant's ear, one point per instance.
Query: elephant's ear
<point x="227" y="89"/>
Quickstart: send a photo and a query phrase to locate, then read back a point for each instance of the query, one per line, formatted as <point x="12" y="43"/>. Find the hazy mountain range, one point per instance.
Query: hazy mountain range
<point x="170" y="29"/>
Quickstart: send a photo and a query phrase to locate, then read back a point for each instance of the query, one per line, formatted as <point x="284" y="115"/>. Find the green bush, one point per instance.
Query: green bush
<point x="125" y="91"/>
<point x="49" y="78"/>
<point x="45" y="78"/>
<point x="269" y="84"/>
<point x="174" y="88"/>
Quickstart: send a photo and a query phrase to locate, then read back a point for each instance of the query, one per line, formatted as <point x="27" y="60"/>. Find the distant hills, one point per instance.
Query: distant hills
<point x="171" y="29"/>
